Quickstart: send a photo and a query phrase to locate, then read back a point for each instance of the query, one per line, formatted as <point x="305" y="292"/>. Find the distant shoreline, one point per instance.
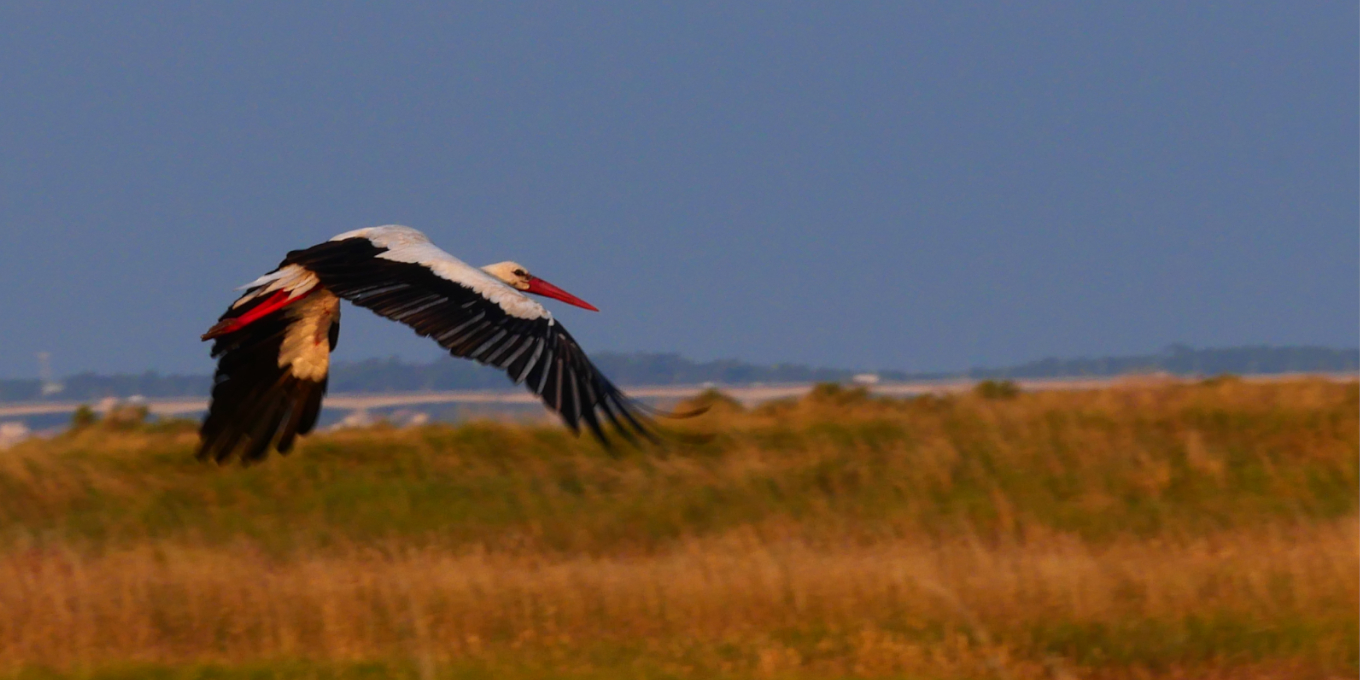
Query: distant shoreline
<point x="747" y="394"/>
<point x="386" y="376"/>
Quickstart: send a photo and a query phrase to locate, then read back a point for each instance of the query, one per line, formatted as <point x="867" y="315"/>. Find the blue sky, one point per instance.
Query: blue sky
<point x="875" y="185"/>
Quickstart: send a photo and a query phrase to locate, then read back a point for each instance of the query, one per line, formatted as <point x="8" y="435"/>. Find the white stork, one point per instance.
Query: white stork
<point x="273" y="344"/>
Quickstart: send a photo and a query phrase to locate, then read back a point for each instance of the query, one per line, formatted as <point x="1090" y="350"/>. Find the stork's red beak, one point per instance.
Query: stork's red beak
<point x="538" y="286"/>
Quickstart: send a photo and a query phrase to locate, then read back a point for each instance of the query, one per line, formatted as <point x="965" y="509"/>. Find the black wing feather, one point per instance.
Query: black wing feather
<point x="537" y="352"/>
<point x="256" y="402"/>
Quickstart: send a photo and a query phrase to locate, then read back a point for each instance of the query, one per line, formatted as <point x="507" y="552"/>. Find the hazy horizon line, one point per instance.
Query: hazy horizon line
<point x="1168" y="350"/>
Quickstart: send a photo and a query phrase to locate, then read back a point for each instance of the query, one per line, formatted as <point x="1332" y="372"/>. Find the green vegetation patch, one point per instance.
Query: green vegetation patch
<point x="1178" y="459"/>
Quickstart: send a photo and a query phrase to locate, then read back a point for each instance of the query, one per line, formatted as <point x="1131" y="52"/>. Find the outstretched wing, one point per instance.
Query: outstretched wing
<point x="398" y="273"/>
<point x="273" y="349"/>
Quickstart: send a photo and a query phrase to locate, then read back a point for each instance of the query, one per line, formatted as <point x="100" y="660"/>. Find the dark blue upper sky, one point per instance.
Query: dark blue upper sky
<point x="891" y="185"/>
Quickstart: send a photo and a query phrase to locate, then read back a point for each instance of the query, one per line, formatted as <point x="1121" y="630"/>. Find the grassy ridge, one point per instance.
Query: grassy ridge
<point x="1143" y="461"/>
<point x="1155" y="527"/>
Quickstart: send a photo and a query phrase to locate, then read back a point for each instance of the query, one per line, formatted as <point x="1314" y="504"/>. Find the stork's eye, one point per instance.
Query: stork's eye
<point x="521" y="272"/>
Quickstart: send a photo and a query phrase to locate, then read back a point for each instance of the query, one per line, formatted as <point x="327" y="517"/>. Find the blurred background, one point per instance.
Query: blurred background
<point x="907" y="186"/>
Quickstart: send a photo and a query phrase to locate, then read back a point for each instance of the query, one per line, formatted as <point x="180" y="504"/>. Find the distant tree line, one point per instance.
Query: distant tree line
<point x="92" y="386"/>
<point x="393" y="375"/>
<point x="1186" y="360"/>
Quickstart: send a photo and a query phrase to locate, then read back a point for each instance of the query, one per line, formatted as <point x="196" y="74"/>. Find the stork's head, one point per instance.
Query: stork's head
<point x="518" y="277"/>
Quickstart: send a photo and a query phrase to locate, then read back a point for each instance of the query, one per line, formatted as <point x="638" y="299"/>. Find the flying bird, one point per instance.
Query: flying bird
<point x="273" y="344"/>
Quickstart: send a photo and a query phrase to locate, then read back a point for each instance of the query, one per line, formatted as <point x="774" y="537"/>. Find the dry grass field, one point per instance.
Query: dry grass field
<point x="1153" y="529"/>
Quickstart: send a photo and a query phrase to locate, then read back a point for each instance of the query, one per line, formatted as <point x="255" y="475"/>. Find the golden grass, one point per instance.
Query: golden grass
<point x="1156" y="529"/>
<point x="946" y="608"/>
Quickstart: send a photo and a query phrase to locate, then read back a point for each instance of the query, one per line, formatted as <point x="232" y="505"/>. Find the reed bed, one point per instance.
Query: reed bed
<point x="1153" y="529"/>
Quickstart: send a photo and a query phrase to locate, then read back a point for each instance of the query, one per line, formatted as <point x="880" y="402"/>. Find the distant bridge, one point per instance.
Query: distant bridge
<point x="747" y="394"/>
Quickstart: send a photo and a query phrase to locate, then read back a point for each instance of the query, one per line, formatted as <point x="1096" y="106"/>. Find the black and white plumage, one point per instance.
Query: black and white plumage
<point x="273" y="344"/>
